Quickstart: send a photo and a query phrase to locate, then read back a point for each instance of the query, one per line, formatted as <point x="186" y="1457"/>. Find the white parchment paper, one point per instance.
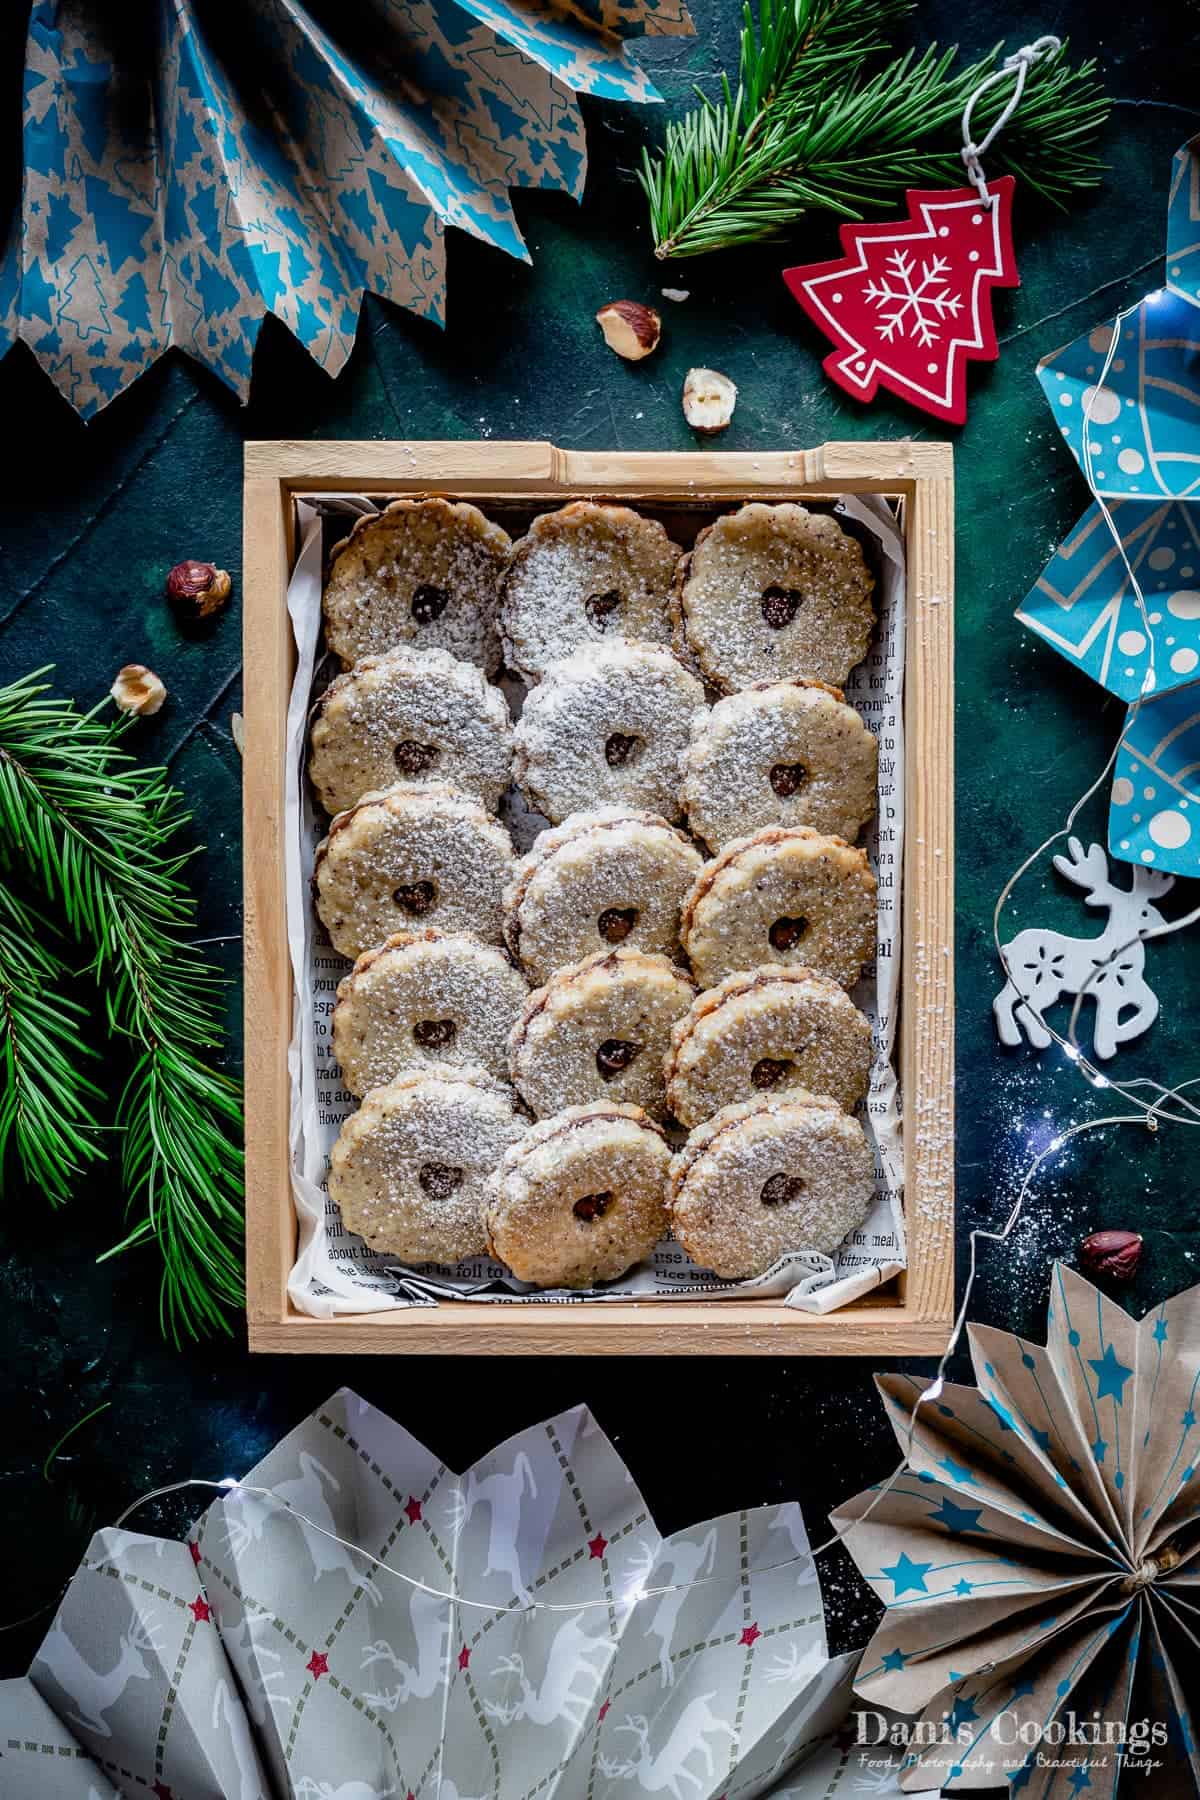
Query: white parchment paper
<point x="335" y="1272"/>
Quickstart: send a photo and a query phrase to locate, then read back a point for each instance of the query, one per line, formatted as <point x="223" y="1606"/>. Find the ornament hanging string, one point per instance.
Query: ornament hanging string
<point x="1018" y="64"/>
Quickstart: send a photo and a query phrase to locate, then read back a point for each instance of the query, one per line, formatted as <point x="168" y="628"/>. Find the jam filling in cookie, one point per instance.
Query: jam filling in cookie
<point x="581" y="1198"/>
<point x="603" y="879"/>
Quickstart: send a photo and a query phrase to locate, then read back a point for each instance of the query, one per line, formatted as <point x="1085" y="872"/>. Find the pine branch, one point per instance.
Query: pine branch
<point x="96" y="832"/>
<point x="46" y="1116"/>
<point x="808" y="129"/>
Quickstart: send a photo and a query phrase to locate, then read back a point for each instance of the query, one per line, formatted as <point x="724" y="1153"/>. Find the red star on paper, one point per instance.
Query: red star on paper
<point x="464" y="1657"/>
<point x="317" y="1665"/>
<point x="200" y="1609"/>
<point x="161" y="1791"/>
<point x="909" y="302"/>
<point x="194" y="1550"/>
<point x="598" y="1545"/>
<point x="413" y="1509"/>
<point x="603" y="1714"/>
<point x="750" y="1636"/>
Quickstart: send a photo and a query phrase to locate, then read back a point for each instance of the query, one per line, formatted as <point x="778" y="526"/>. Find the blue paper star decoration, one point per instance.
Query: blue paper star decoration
<point x="1058" y="1577"/>
<point x="1143" y="439"/>
<point x="190" y="167"/>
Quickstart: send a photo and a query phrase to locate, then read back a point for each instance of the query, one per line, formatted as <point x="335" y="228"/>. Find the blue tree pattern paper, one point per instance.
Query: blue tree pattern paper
<point x="181" y="184"/>
<point x="266" y="1658"/>
<point x="1155" y="813"/>
<point x="1038" y="1556"/>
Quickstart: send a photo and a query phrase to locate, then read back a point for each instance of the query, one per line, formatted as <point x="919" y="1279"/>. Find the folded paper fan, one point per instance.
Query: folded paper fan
<point x="190" y="167"/>
<point x="264" y="1657"/>
<point x="1038" y="1556"/>
<point x="1129" y="412"/>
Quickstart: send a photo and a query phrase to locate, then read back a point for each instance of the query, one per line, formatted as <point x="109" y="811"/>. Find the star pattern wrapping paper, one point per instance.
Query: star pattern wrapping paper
<point x="1138" y="426"/>
<point x="190" y="168"/>
<point x="1038" y="1556"/>
<point x="263" y="1657"/>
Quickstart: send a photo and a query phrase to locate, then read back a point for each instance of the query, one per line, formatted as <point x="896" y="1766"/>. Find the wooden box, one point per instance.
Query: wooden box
<point x="909" y="1316"/>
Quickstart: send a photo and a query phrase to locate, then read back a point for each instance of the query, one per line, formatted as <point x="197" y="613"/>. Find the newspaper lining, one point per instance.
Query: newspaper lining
<point x="335" y="1272"/>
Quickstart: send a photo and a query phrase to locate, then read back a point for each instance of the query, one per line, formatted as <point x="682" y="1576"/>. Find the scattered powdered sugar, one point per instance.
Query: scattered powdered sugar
<point x="413" y="856"/>
<point x="770" y="593"/>
<point x="416" y="715"/>
<point x="784" y="895"/>
<point x="583" y="574"/>
<point x="425" y="572"/>
<point x="776" y="1029"/>
<point x="409" y="1167"/>
<point x="607" y="725"/>
<point x="767" y="1176"/>
<point x="601" y="879"/>
<point x="582" y="1197"/>
<point x="780" y="753"/>
<point x="425" y="998"/>
<point x="600" y="1031"/>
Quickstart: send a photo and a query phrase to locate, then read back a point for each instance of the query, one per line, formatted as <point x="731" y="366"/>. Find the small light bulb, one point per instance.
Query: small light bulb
<point x="228" y="1482"/>
<point x="1071" y="1050"/>
<point x="1100" y="1081"/>
<point x="1054" y="1144"/>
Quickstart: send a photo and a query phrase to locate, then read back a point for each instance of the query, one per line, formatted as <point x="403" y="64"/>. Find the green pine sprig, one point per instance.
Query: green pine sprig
<point x="47" y="1116"/>
<point x="809" y="128"/>
<point x="97" y="833"/>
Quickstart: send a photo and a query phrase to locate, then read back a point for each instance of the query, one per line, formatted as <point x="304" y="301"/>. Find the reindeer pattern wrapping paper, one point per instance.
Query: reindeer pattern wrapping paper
<point x="263" y="1659"/>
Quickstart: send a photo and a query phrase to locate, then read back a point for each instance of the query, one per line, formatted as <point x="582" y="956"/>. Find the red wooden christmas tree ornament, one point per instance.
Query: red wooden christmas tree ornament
<point x="909" y="303"/>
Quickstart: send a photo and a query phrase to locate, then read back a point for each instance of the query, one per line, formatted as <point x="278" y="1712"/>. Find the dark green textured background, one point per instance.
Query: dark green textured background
<point x="92" y="517"/>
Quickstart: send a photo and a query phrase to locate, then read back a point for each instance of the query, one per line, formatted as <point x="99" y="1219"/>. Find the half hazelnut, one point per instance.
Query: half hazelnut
<point x="629" y="328"/>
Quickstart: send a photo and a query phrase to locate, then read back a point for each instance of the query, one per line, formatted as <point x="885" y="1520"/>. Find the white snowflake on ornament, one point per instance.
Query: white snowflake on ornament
<point x="1044" y="967"/>
<point x="920" y="305"/>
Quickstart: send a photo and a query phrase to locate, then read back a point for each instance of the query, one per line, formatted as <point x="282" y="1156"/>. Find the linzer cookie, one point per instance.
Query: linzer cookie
<point x="599" y="1031"/>
<point x="421" y="572"/>
<point x="608" y="725"/>
<point x="780" y="753"/>
<point x="785" y="895"/>
<point x="581" y="1198"/>
<point x="772" y="593"/>
<point x="412" y="856"/>
<point x="425" y="997"/>
<point x="764" y="1030"/>
<point x="767" y="1177"/>
<point x="412" y="715"/>
<point x="581" y="574"/>
<point x="600" y="879"/>
<point x="409" y="1167"/>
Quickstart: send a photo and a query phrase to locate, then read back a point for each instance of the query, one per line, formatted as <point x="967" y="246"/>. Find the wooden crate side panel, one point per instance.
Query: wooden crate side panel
<point x="927" y="952"/>
<point x="270" y="1216"/>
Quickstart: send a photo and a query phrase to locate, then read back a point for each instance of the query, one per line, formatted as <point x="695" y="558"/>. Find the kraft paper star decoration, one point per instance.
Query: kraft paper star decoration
<point x="1039" y="1556"/>
<point x="189" y="167"/>
<point x="1142" y="439"/>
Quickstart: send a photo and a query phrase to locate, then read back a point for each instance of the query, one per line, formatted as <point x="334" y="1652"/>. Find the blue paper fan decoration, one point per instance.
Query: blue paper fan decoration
<point x="1142" y="439"/>
<point x="190" y="167"/>
<point x="1155" y="816"/>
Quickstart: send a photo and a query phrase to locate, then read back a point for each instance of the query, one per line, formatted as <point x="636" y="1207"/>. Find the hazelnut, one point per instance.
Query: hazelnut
<point x="629" y="328"/>
<point x="708" y="400"/>
<point x="1111" y="1255"/>
<point x="137" y="689"/>
<point x="196" y="590"/>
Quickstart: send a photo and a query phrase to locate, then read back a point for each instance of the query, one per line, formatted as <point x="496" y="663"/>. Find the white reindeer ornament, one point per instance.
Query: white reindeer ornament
<point x="1044" y="967"/>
